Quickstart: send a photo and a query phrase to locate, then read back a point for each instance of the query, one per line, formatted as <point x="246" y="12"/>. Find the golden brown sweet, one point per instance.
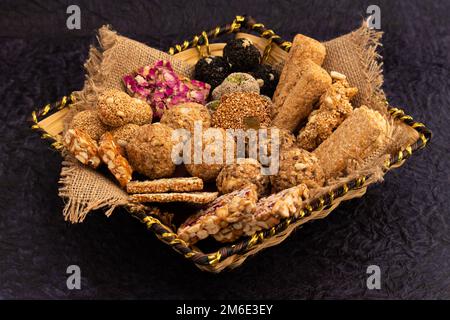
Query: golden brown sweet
<point x="188" y="197"/>
<point x="263" y="142"/>
<point x="334" y="108"/>
<point x="116" y="108"/>
<point x="237" y="176"/>
<point x="150" y="152"/>
<point x="303" y="49"/>
<point x="242" y="110"/>
<point x="111" y="155"/>
<point x="166" y="185"/>
<point x="124" y="134"/>
<point x="88" y="122"/>
<point x="272" y="209"/>
<point x="224" y="218"/>
<point x="185" y="115"/>
<point x="209" y="154"/>
<point x="82" y="147"/>
<point x="299" y="103"/>
<point x="361" y="139"/>
<point x="297" y="166"/>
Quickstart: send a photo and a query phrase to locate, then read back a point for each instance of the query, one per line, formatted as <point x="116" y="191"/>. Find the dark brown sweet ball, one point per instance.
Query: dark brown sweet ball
<point x="267" y="78"/>
<point x="242" y="55"/>
<point x="212" y="70"/>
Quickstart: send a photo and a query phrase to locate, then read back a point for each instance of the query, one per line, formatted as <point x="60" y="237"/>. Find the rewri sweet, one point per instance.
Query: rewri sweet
<point x="150" y="152"/>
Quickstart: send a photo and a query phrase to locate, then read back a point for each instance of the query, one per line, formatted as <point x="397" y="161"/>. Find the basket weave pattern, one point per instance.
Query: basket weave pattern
<point x="318" y="207"/>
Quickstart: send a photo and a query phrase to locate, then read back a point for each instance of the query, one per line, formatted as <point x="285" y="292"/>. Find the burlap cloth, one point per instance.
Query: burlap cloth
<point x="354" y="54"/>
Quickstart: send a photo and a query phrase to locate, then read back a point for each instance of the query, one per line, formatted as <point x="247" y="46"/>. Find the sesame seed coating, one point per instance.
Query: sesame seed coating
<point x="238" y="175"/>
<point x="242" y="110"/>
<point x="88" y="122"/>
<point x="116" y="108"/>
<point x="209" y="147"/>
<point x="184" y="116"/>
<point x="124" y="134"/>
<point x="297" y="166"/>
<point x="150" y="151"/>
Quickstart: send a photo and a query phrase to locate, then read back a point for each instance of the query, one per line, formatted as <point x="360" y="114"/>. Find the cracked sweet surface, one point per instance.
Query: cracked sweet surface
<point x="116" y="108"/>
<point x="89" y="122"/>
<point x="150" y="152"/>
<point x="334" y="108"/>
<point x="184" y="116"/>
<point x="297" y="166"/>
<point x="236" y="176"/>
<point x="242" y="110"/>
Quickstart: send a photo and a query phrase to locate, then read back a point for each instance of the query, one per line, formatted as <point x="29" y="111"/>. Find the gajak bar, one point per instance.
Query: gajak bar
<point x="166" y="185"/>
<point x="334" y="108"/>
<point x="299" y="104"/>
<point x="303" y="48"/>
<point x="363" y="136"/>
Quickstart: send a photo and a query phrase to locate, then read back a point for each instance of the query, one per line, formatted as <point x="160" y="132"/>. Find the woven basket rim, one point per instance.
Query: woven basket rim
<point x="211" y="261"/>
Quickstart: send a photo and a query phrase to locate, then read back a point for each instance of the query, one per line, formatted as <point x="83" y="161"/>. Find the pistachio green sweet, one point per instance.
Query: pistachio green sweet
<point x="236" y="82"/>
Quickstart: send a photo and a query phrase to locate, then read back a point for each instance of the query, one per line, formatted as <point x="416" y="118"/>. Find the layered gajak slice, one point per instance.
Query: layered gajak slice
<point x="111" y="154"/>
<point x="226" y="212"/>
<point x="82" y="147"/>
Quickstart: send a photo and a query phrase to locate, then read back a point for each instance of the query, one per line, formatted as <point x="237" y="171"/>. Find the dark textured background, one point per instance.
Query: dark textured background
<point x="402" y="225"/>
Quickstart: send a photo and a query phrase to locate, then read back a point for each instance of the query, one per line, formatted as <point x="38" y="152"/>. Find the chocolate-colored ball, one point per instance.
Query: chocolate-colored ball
<point x="267" y="78"/>
<point x="212" y="70"/>
<point x="242" y="55"/>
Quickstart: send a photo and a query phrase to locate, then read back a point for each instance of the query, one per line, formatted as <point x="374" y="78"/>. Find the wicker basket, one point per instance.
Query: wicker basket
<point x="49" y="121"/>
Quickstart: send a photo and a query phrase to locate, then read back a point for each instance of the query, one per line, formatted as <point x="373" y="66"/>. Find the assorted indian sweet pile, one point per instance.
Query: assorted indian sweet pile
<point x="312" y="132"/>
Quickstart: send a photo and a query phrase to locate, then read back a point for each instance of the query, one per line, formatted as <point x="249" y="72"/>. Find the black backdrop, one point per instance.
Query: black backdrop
<point x="401" y="225"/>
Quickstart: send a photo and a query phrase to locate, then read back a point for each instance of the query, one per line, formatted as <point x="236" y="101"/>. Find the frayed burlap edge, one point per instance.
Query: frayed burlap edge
<point x="76" y="207"/>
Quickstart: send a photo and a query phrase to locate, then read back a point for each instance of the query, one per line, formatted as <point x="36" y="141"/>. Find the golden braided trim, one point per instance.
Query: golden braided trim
<point x="214" y="258"/>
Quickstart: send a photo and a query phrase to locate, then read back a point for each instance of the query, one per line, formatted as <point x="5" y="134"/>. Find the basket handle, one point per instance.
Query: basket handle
<point x="239" y="23"/>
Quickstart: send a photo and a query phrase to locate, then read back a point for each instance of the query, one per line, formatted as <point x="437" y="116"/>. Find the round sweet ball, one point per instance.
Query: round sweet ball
<point x="89" y="122"/>
<point x="297" y="166"/>
<point x="242" y="55"/>
<point x="124" y="134"/>
<point x="263" y="142"/>
<point x="150" y="152"/>
<point x="246" y="172"/>
<point x="185" y="116"/>
<point x="116" y="108"/>
<point x="242" y="110"/>
<point x="267" y="79"/>
<point x="212" y="70"/>
<point x="236" y="82"/>
<point x="211" y="154"/>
